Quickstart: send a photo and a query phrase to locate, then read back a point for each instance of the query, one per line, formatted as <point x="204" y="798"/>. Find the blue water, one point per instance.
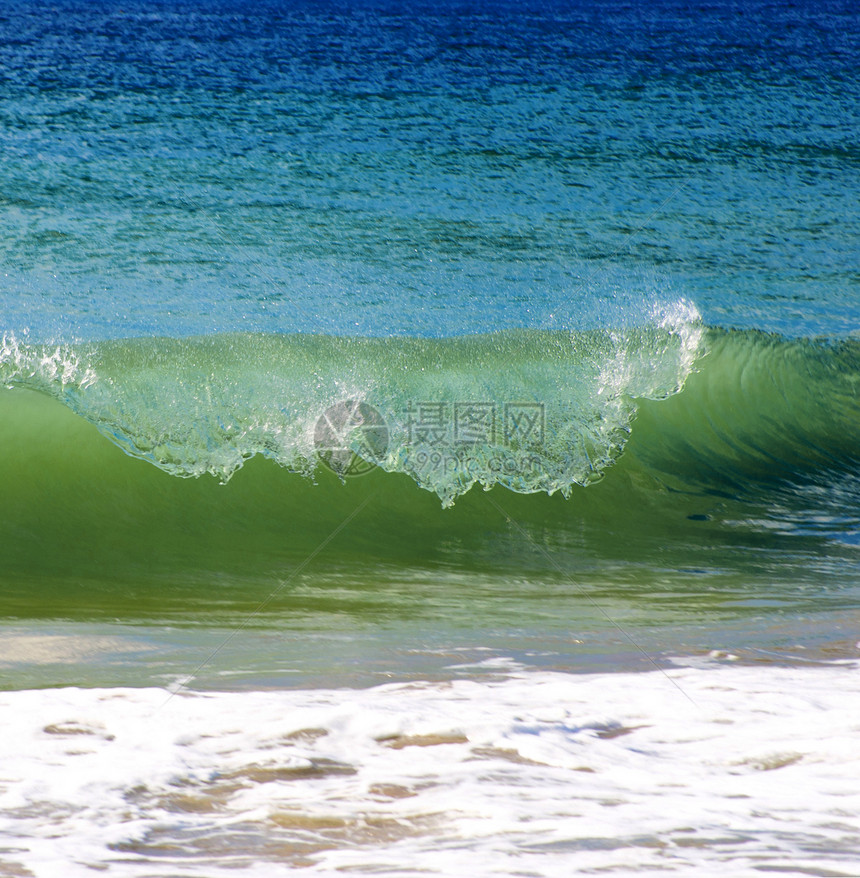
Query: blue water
<point x="426" y="169"/>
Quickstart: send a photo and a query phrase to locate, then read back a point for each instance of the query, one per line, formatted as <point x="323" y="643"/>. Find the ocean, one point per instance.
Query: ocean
<point x="429" y="438"/>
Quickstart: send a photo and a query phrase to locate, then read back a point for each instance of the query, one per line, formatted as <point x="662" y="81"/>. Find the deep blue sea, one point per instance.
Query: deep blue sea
<point x="381" y="380"/>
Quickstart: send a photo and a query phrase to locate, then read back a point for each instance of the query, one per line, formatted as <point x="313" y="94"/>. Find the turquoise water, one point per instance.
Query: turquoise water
<point x="601" y="263"/>
<point x="426" y="169"/>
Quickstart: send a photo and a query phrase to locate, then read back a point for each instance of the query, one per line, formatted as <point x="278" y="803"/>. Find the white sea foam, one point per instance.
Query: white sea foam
<point x="52" y="368"/>
<point x="722" y="769"/>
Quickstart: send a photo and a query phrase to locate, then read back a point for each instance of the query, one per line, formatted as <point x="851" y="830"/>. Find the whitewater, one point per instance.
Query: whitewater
<point x="702" y="768"/>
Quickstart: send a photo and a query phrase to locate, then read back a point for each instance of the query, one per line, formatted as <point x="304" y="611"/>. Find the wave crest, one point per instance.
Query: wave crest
<point x="533" y="411"/>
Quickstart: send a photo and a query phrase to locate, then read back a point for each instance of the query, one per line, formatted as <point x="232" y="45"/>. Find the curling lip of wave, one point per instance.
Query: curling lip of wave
<point x="208" y="404"/>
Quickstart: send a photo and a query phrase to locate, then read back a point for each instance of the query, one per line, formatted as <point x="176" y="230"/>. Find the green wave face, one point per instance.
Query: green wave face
<point x="727" y="454"/>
